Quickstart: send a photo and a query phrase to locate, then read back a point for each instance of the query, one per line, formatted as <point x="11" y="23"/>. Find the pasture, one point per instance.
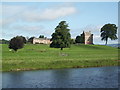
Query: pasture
<point x="40" y="56"/>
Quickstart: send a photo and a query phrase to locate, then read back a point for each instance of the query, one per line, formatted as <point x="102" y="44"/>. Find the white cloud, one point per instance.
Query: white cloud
<point x="48" y="14"/>
<point x="8" y="36"/>
<point x="11" y="14"/>
<point x="27" y="30"/>
<point x="35" y="13"/>
<point x="19" y="18"/>
<point x="12" y="10"/>
<point x="28" y="27"/>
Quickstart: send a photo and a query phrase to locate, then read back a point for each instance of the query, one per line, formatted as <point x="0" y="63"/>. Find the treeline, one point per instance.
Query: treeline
<point x="26" y="40"/>
<point x="3" y="41"/>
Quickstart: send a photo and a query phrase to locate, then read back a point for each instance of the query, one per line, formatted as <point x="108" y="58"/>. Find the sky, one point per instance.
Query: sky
<point x="40" y="18"/>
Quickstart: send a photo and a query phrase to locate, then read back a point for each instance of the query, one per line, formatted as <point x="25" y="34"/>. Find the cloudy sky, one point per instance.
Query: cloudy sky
<point x="40" y="18"/>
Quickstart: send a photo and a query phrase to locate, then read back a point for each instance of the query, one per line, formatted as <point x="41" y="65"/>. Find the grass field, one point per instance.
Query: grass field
<point x="33" y="57"/>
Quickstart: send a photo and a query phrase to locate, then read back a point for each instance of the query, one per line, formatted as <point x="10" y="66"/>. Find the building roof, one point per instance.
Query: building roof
<point x="41" y="39"/>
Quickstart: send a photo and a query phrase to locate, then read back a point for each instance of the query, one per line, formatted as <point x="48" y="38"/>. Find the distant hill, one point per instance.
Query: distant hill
<point x="114" y="45"/>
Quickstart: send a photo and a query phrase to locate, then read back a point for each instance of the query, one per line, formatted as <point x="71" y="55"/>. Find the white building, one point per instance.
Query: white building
<point x="41" y="41"/>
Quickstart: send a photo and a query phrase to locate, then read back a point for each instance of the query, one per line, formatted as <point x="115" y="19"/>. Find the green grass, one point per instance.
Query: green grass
<point x="33" y="57"/>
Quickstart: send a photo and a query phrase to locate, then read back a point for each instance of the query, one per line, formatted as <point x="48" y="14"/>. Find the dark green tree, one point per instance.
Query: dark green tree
<point x="78" y="39"/>
<point x="30" y="40"/>
<point x="61" y="38"/>
<point x="72" y="41"/>
<point x="16" y="43"/>
<point x="24" y="39"/>
<point x="108" y="31"/>
<point x="41" y="36"/>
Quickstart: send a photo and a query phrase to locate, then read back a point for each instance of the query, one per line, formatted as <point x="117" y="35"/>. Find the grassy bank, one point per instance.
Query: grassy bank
<point x="33" y="57"/>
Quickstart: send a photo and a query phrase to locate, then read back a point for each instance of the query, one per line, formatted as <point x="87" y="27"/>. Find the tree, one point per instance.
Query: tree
<point x="16" y="43"/>
<point x="78" y="39"/>
<point x="72" y="41"/>
<point x="3" y="41"/>
<point x="24" y="39"/>
<point x="108" y="31"/>
<point x="31" y="39"/>
<point x="41" y="36"/>
<point x="61" y="38"/>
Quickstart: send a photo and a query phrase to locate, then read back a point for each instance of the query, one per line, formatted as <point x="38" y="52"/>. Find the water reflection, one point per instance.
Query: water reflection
<point x="101" y="77"/>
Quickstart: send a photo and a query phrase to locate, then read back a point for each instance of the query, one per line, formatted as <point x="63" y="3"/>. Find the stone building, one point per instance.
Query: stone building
<point x="41" y="41"/>
<point x="87" y="38"/>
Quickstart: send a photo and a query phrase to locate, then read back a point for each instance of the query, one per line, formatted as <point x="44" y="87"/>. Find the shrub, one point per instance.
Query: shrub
<point x="16" y="43"/>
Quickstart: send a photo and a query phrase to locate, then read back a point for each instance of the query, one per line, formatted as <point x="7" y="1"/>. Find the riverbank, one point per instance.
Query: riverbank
<point x="37" y="57"/>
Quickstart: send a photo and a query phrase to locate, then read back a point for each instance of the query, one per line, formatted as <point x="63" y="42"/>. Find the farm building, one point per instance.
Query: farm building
<point x="41" y="41"/>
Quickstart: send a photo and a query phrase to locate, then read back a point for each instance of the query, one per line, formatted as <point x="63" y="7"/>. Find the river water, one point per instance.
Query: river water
<point x="98" y="77"/>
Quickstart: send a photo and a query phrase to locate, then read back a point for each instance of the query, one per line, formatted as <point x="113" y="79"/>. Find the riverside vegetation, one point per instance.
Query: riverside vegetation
<point x="40" y="56"/>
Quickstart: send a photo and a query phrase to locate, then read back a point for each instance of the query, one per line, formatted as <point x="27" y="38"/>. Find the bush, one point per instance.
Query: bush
<point x="16" y="43"/>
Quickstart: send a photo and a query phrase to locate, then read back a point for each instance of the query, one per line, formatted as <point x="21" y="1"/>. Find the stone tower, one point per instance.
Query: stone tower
<point x="87" y="37"/>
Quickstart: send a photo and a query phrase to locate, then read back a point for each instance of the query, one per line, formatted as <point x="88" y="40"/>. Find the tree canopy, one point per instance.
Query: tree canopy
<point x="108" y="31"/>
<point x="16" y="43"/>
<point x="78" y="39"/>
<point x="61" y="38"/>
<point x="31" y="39"/>
<point x="24" y="39"/>
<point x="41" y="36"/>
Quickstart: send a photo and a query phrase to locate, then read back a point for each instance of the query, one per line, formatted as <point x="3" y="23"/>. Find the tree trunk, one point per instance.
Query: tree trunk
<point x="61" y="48"/>
<point x="106" y="41"/>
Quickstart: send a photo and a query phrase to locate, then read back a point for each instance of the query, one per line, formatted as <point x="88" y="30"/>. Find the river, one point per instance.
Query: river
<point x="95" y="77"/>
